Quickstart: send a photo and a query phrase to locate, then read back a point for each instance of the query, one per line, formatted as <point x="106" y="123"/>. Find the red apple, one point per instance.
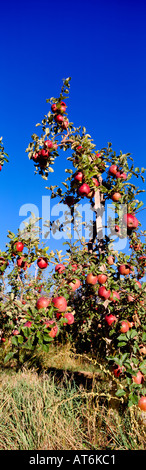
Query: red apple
<point x="0" y="167"/>
<point x="59" y="119"/>
<point x="102" y="278"/>
<point x="18" y="246"/>
<point x="49" y="144"/>
<point x="124" y="269"/>
<point x="116" y="197"/>
<point x="42" y="262"/>
<point x="84" y="190"/>
<point x="3" y="340"/>
<point x="65" y="124"/>
<point x="125" y="327"/>
<point x="104" y="293"/>
<point x="121" y="175"/>
<point x="91" y="279"/>
<point x="139" y="378"/>
<point x="53" y="331"/>
<point x="138" y="284"/>
<point x="78" y="176"/>
<point x="43" y="302"/>
<point x="74" y="267"/>
<point x="60" y="303"/>
<point x="110" y="319"/>
<point x="118" y="371"/>
<point x="113" y="170"/>
<point x="131" y="221"/>
<point x="142" y="403"/>
<point x="110" y="260"/>
<point x="75" y="285"/>
<point x="20" y="261"/>
<point x="70" y="318"/>
<point x="15" y="332"/>
<point x="130" y="298"/>
<point x="28" y="324"/>
<point x="60" y="268"/>
<point x="79" y="149"/>
<point x="117" y="228"/>
<point x="54" y="108"/>
<point x="96" y="182"/>
<point x="142" y="260"/>
<point x="115" y="296"/>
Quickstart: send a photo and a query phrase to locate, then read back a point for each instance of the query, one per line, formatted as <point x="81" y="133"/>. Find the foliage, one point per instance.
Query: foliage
<point x="85" y="315"/>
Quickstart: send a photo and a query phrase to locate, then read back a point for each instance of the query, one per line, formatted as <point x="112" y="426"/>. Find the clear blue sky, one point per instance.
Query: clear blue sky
<point x="102" y="46"/>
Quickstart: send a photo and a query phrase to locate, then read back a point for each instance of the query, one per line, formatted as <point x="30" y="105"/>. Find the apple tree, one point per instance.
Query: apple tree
<point x="95" y="294"/>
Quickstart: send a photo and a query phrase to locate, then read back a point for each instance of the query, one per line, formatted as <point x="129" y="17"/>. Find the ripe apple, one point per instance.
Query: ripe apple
<point x="49" y="144"/>
<point x="104" y="293"/>
<point x="15" y="332"/>
<point x="84" y="190"/>
<point x="60" y="303"/>
<point x="91" y="279"/>
<point x="3" y="340"/>
<point x="142" y="260"/>
<point x="113" y="170"/>
<point x="54" y="108"/>
<point x="110" y="260"/>
<point x="18" y="246"/>
<point x="75" y="285"/>
<point x="61" y="107"/>
<point x="65" y="124"/>
<point x="110" y="319"/>
<point x="117" y="228"/>
<point x="43" y="302"/>
<point x="138" y="284"/>
<point x="116" y="197"/>
<point x="124" y="269"/>
<point x="118" y="371"/>
<point x="78" y="176"/>
<point x="130" y="298"/>
<point x="60" y="268"/>
<point x="131" y="221"/>
<point x="142" y="403"/>
<point x="70" y="318"/>
<point x="59" y="119"/>
<point x="102" y="278"/>
<point x="79" y="149"/>
<point x="125" y="327"/>
<point x="96" y="182"/>
<point x="74" y="267"/>
<point x="115" y="296"/>
<point x="20" y="261"/>
<point x="3" y="261"/>
<point x="142" y="350"/>
<point x="28" y="324"/>
<point x="0" y="167"/>
<point x="139" y="378"/>
<point x="121" y="175"/>
<point x="53" y="331"/>
<point x="42" y="262"/>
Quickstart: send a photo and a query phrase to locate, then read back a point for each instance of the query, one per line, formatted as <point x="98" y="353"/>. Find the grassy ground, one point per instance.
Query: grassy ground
<point x="36" y="412"/>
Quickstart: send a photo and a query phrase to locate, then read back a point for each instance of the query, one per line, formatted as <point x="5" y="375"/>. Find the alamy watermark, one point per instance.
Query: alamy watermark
<point x="62" y="223"/>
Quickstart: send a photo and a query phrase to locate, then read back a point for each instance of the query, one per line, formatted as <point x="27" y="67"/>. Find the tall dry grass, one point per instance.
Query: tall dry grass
<point x="35" y="413"/>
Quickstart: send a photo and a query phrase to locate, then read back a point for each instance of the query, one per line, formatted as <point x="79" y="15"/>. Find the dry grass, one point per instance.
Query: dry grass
<point x="35" y="413"/>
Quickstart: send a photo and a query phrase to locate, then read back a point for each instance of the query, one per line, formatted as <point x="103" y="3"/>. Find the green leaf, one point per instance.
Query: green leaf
<point x="8" y="356"/>
<point x="122" y="337"/>
<point x="120" y="393"/>
<point x="15" y="340"/>
<point x="20" y="339"/>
